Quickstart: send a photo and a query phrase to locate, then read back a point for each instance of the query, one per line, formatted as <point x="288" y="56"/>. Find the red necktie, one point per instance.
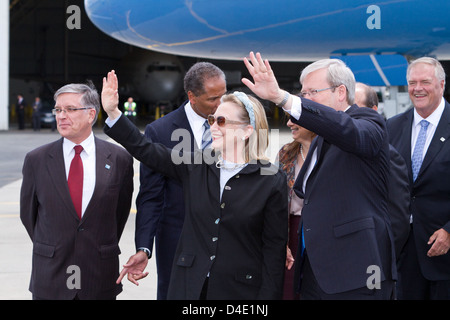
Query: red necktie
<point x="75" y="180"/>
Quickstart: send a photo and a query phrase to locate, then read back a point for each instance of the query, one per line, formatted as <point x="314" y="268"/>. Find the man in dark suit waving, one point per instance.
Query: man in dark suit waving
<point x="421" y="135"/>
<point x="160" y="204"/>
<point x="348" y="249"/>
<point x="74" y="203"/>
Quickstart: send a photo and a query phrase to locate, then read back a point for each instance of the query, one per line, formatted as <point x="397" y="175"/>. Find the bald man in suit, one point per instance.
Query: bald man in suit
<point x="75" y="241"/>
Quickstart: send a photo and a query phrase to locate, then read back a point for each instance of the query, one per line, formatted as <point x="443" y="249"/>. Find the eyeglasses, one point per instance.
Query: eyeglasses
<point x="68" y="110"/>
<point x="313" y="92"/>
<point x="221" y="121"/>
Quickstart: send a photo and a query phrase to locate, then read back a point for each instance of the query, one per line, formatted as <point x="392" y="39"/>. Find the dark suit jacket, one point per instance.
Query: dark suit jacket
<point x="345" y="222"/>
<point x="160" y="205"/>
<point x="241" y="239"/>
<point x="398" y="199"/>
<point x="59" y="238"/>
<point x="430" y="193"/>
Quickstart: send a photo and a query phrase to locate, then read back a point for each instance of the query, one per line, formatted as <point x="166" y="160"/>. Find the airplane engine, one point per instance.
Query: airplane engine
<point x="151" y="76"/>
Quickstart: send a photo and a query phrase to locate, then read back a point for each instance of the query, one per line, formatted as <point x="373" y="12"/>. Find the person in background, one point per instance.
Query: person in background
<point x="398" y="187"/>
<point x="290" y="159"/>
<point x="422" y="136"/>
<point x="75" y="200"/>
<point x="20" y="111"/>
<point x="36" y="115"/>
<point x="130" y="109"/>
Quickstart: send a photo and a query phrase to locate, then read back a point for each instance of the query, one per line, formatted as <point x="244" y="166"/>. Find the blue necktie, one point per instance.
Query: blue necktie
<point x="206" y="137"/>
<point x="417" y="157"/>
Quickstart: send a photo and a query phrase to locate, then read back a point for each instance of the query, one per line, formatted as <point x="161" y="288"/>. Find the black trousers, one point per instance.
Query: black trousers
<point x="412" y="285"/>
<point x="204" y="292"/>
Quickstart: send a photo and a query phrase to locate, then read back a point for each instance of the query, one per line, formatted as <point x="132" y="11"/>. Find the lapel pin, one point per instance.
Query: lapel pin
<point x="107" y="166"/>
<point x="442" y="139"/>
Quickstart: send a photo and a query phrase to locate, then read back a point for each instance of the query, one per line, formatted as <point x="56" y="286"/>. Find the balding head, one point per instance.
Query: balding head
<point x="365" y="96"/>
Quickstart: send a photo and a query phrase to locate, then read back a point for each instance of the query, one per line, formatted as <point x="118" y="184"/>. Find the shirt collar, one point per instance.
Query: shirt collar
<point x="432" y="118"/>
<point x="88" y="145"/>
<point x="193" y="117"/>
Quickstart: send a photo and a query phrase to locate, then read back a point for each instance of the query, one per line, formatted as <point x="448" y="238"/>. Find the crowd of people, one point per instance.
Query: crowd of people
<point x="356" y="207"/>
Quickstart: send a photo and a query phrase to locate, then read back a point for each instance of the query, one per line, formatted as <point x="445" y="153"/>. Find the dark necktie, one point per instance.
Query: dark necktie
<point x="75" y="180"/>
<point x="206" y="137"/>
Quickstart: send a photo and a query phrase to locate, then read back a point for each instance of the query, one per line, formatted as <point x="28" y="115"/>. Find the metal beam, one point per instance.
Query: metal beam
<point x="4" y="65"/>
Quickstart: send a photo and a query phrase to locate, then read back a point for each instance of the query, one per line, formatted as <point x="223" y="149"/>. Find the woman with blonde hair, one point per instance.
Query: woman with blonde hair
<point x="233" y="242"/>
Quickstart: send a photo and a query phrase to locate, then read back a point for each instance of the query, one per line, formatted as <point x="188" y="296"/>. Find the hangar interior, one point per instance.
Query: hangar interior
<point x="44" y="54"/>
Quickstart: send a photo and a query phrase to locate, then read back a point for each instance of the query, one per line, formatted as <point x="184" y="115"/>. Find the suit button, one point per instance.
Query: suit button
<point x="222" y="205"/>
<point x="227" y="188"/>
<point x="80" y="229"/>
<point x="212" y="258"/>
<point x="248" y="277"/>
<point x="217" y="221"/>
<point x="214" y="239"/>
<point x="306" y="201"/>
<point x="237" y="176"/>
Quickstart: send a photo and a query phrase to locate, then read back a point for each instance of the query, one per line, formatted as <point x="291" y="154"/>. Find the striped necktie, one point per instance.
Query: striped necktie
<point x="206" y="137"/>
<point x="417" y="157"/>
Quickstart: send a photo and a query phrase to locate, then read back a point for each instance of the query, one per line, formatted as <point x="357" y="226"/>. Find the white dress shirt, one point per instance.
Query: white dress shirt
<point x="88" y="159"/>
<point x="226" y="172"/>
<point x="433" y="119"/>
<point x="196" y="122"/>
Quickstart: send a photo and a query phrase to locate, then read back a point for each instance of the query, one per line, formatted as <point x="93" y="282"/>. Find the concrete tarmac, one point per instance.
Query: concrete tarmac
<point x="16" y="246"/>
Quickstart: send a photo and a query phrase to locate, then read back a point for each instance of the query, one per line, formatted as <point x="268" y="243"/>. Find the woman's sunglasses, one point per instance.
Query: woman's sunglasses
<point x="221" y="121"/>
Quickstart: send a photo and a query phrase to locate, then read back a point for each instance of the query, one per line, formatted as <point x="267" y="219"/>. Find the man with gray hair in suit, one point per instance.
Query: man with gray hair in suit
<point x="74" y="203"/>
<point x="346" y="245"/>
<point x="422" y="136"/>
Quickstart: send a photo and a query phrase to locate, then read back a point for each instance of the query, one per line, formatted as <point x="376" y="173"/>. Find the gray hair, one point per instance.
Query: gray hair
<point x="198" y="74"/>
<point x="338" y="74"/>
<point x="438" y="69"/>
<point x="90" y="97"/>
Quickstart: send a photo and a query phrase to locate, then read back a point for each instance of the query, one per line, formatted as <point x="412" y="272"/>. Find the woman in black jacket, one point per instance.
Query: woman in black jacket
<point x="233" y="242"/>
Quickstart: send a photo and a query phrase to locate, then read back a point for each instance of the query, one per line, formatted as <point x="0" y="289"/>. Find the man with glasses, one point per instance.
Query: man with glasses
<point x="345" y="244"/>
<point x="75" y="200"/>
